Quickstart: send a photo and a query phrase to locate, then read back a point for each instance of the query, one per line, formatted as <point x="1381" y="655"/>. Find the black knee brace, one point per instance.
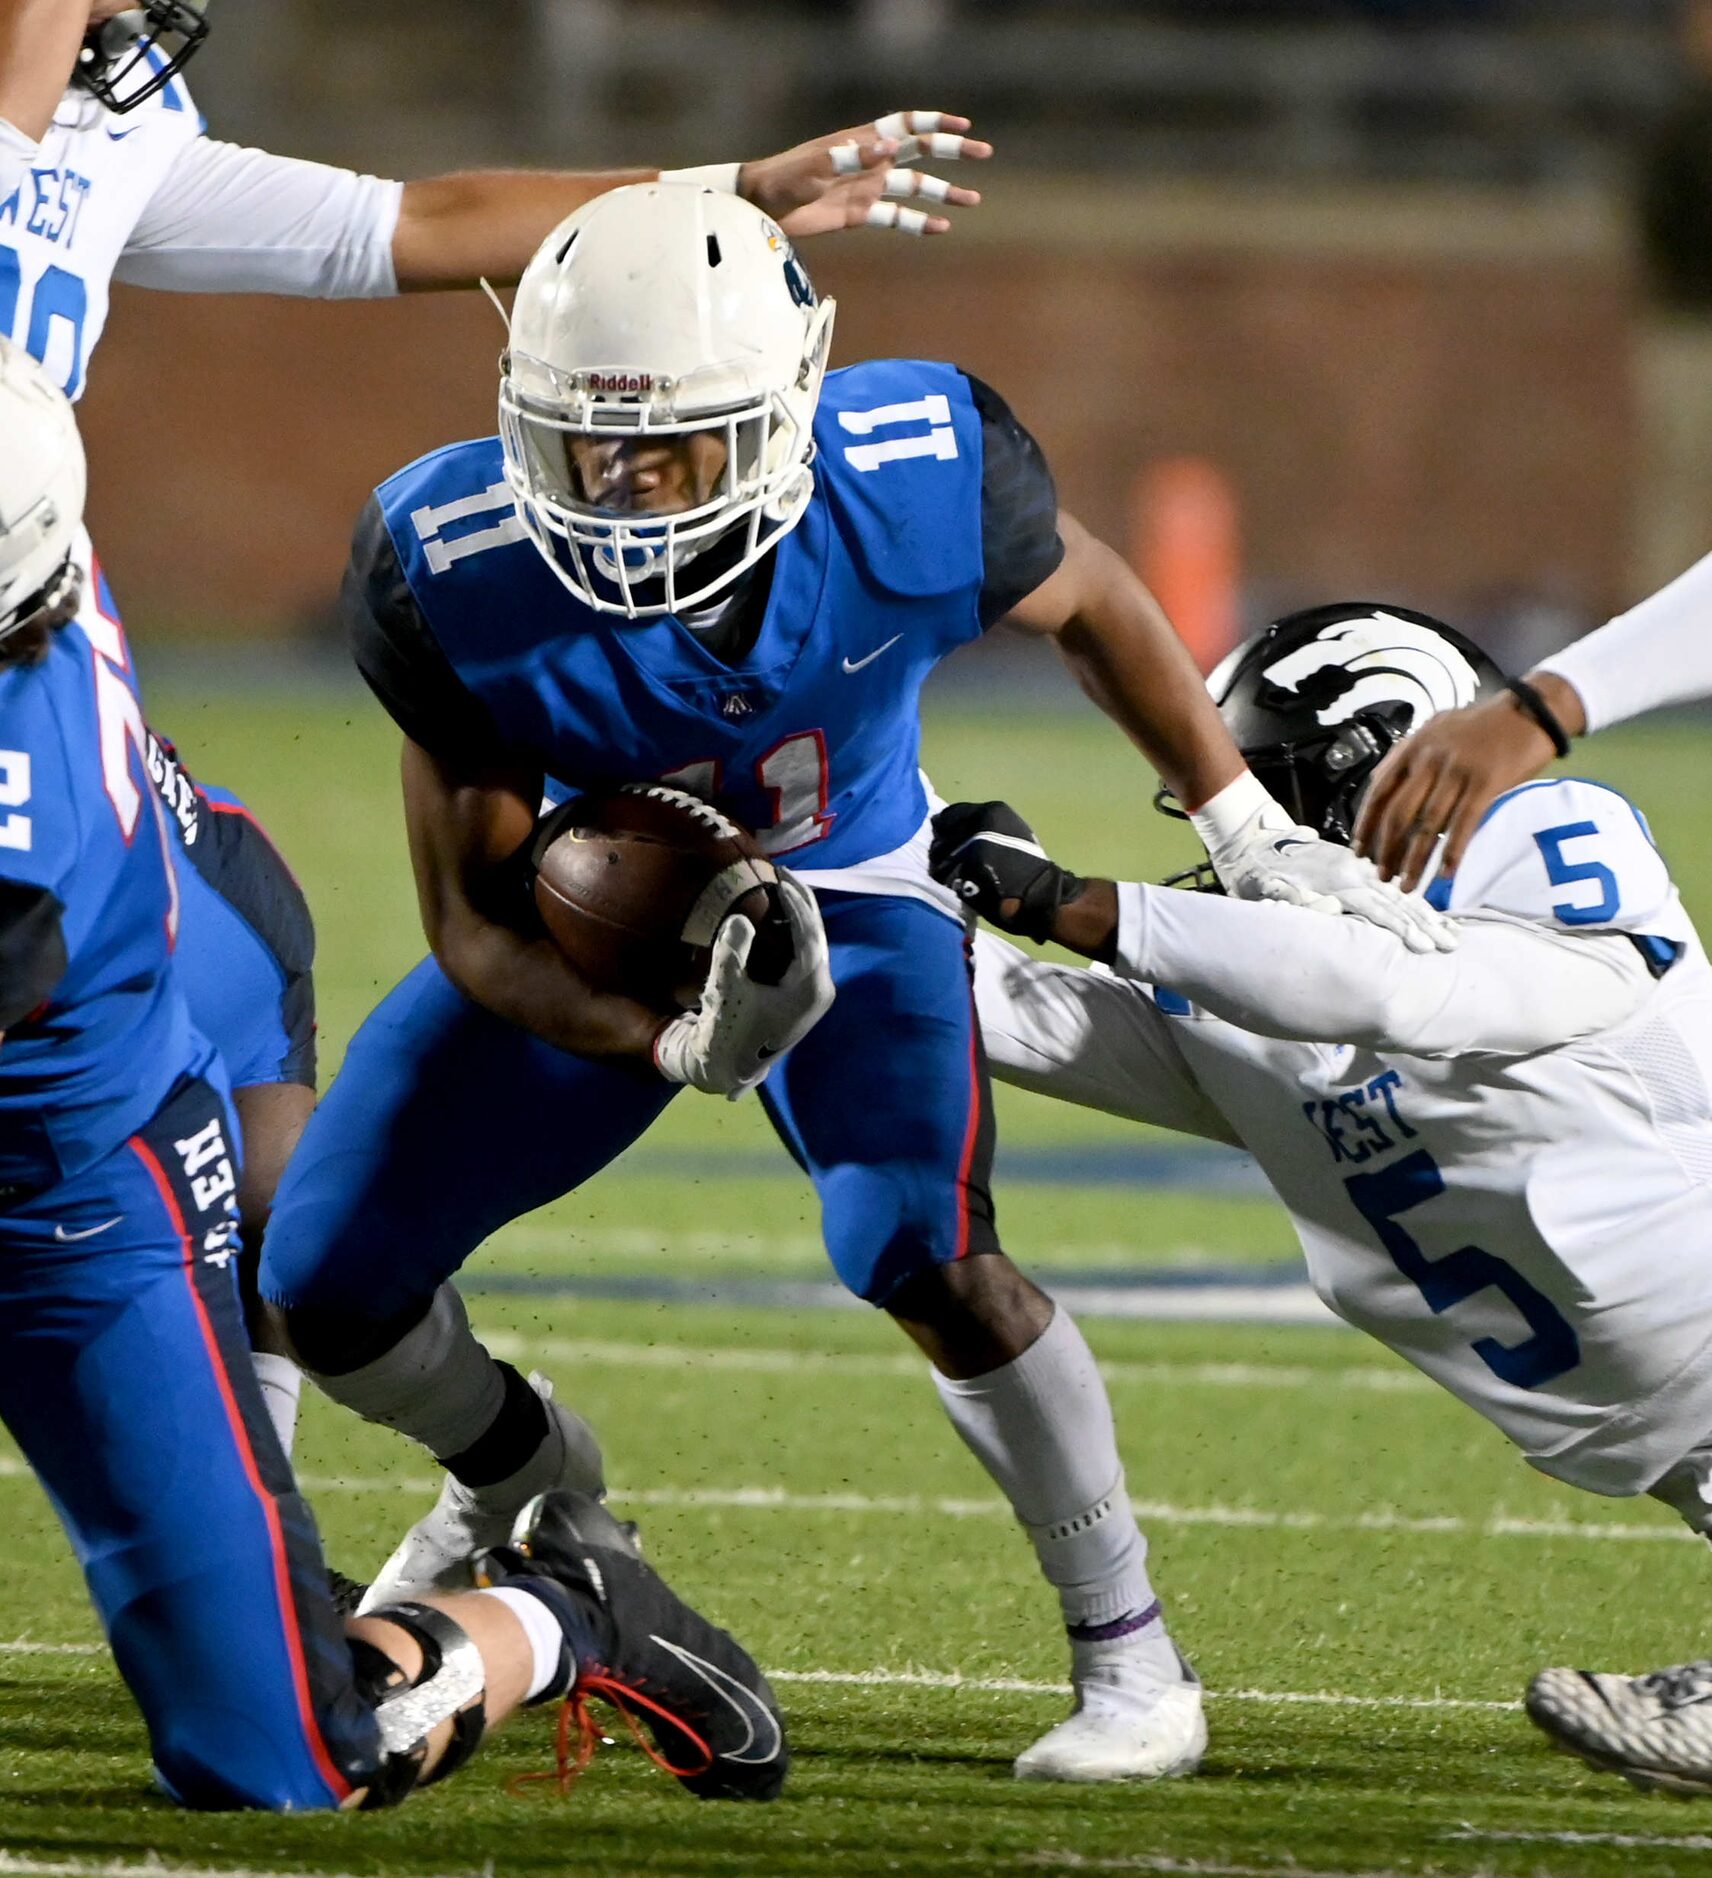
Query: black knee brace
<point x="450" y="1687"/>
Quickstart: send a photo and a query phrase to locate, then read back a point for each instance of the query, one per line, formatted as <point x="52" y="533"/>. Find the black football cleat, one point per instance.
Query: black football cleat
<point x="715" y="1722"/>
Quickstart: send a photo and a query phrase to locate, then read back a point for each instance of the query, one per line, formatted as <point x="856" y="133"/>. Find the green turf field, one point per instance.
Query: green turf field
<point x="1362" y="1571"/>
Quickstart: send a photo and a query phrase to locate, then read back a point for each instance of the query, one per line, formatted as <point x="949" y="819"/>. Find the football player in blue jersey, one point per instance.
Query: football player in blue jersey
<point x="107" y="172"/>
<point x="690" y="559"/>
<point x="124" y="1372"/>
<point x="246" y="957"/>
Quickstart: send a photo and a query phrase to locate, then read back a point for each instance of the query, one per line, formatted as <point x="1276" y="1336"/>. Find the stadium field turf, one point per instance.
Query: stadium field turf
<point x="1363" y="1572"/>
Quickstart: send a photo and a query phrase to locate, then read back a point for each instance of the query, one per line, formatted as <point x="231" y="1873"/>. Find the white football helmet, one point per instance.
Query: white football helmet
<point x="41" y="492"/>
<point x="653" y="313"/>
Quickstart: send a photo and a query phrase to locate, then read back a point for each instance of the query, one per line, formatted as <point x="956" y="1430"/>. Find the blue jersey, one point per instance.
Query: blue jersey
<point x="96" y="1031"/>
<point x="932" y="514"/>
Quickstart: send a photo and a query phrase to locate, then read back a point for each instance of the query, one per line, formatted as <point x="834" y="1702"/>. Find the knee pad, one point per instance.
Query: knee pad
<point x="451" y="1686"/>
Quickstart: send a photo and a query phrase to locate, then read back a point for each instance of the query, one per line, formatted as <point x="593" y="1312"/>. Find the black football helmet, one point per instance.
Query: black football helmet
<point x="127" y="59"/>
<point x="1316" y="700"/>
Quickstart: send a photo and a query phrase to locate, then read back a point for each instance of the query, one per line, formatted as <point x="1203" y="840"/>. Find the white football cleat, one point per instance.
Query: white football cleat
<point x="1128" y="1723"/>
<point x="1656" y="1731"/>
<point x="436" y="1553"/>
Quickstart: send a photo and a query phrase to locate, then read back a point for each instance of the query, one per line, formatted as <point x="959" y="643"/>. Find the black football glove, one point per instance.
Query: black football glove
<point x="993" y="861"/>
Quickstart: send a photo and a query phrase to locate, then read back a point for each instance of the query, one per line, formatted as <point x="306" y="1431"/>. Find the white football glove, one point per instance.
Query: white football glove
<point x="727" y="1045"/>
<point x="1260" y="854"/>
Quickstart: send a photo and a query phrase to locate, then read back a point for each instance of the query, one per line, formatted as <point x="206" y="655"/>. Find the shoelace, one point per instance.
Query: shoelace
<point x="569" y="1762"/>
<point x="1688" y="1682"/>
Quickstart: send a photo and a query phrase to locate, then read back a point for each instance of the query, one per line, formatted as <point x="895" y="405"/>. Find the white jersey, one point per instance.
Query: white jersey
<point x="1657" y="654"/>
<point x="1498" y="1160"/>
<point x="146" y="197"/>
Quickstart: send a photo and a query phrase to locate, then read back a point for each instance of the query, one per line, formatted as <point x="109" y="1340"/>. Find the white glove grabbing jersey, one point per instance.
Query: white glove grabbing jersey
<point x="1498" y="1160"/>
<point x="742" y="1027"/>
<point x="1259" y="853"/>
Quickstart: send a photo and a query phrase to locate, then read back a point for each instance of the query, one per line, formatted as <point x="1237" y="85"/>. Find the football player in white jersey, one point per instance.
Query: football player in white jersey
<point x="106" y="174"/>
<point x="1656" y="655"/>
<point x="1482" y="1150"/>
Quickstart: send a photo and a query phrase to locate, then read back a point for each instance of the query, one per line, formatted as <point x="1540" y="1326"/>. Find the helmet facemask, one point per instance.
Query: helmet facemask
<point x="126" y="60"/>
<point x="618" y="556"/>
<point x="28" y="630"/>
<point x="657" y="400"/>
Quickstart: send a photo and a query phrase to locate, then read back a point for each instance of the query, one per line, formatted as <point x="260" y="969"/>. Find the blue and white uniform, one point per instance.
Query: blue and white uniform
<point x="150" y="199"/>
<point x="246" y="942"/>
<point x="1498" y="1160"/>
<point x="125" y="1375"/>
<point x="933" y="513"/>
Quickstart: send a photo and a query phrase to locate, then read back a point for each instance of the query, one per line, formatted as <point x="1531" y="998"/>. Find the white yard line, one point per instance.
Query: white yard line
<point x="513" y="1345"/>
<point x="1014" y="1685"/>
<point x="759" y="1499"/>
<point x="975" y="1685"/>
<point x="1664" y="1841"/>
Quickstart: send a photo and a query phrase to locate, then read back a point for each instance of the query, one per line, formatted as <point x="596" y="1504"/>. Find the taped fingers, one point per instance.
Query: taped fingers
<point x="942" y="147"/>
<point x="905" y="221"/>
<point x="913" y="183"/>
<point x="901" y="123"/>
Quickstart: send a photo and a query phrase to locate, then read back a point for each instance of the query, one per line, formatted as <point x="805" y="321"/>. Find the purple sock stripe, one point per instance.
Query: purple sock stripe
<point x="1119" y="1627"/>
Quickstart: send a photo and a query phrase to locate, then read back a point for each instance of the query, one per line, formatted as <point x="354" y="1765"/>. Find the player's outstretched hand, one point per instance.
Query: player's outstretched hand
<point x="857" y="178"/>
<point x="1297" y="868"/>
<point x="1442" y="780"/>
<point x="993" y="861"/>
<point x="1260" y="853"/>
<point x="752" y="1010"/>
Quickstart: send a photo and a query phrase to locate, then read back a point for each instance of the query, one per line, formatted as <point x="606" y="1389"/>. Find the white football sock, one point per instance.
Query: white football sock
<point x="1042" y="1427"/>
<point x="540" y="1626"/>
<point x="437" y="1384"/>
<point x="281" y="1383"/>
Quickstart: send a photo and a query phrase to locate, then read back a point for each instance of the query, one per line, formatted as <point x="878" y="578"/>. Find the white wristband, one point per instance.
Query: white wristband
<point x="1238" y="805"/>
<point x="720" y="177"/>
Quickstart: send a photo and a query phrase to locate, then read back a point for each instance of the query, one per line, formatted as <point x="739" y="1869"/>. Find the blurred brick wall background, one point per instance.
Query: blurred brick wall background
<point x="1423" y="397"/>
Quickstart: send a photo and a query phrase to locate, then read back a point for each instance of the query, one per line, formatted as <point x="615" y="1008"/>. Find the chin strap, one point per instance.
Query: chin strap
<point x="450" y="1686"/>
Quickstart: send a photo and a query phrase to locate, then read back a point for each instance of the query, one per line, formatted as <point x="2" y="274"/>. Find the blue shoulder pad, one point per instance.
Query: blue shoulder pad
<point x="1572" y="854"/>
<point x="899" y="464"/>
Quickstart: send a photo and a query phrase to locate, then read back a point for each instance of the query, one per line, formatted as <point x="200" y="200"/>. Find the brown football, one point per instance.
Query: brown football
<point x="632" y="883"/>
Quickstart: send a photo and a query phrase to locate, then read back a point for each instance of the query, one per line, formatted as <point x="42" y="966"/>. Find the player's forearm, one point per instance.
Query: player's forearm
<point x="528" y="982"/>
<point x="1508" y="990"/>
<point x="1657" y="654"/>
<point x="1129" y="660"/>
<point x="1281" y="971"/>
<point x="456" y="231"/>
<point x="38" y="52"/>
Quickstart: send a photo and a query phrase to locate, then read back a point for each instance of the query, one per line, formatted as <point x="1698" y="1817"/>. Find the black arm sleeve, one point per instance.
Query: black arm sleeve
<point x="32" y="949"/>
<point x="402" y="661"/>
<point x="1019" y="508"/>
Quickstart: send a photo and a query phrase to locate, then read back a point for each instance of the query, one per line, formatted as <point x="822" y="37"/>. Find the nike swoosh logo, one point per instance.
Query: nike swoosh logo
<point x="855" y="665"/>
<point x="1289" y="841"/>
<point x="745" y="1703"/>
<point x="89" y="1232"/>
<point x="119" y="136"/>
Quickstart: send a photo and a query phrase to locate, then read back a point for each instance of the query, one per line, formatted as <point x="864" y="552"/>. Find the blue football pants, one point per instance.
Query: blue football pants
<point x="125" y="1378"/>
<point x="445" y="1123"/>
